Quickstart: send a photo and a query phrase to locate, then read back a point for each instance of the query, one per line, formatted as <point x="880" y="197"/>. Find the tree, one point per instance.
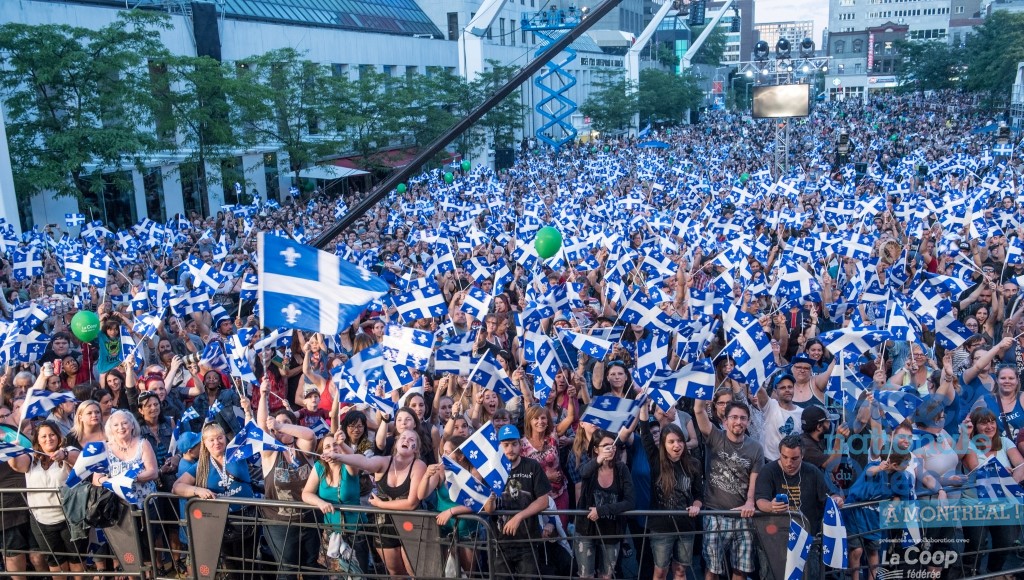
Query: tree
<point x="194" y="106"/>
<point x="993" y="52"/>
<point x="929" y="66"/>
<point x="664" y="96"/>
<point x="501" y="122"/>
<point x="79" y="102"/>
<point x="282" y="98"/>
<point x="368" y="108"/>
<point x="614" y="102"/>
<point x="713" y="48"/>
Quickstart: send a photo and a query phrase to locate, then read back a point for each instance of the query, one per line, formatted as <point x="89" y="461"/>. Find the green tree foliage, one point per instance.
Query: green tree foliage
<point x="79" y="101"/>
<point x="993" y="51"/>
<point x="929" y="66"/>
<point x="370" y="109"/>
<point x="713" y="48"/>
<point x="500" y="123"/>
<point x="612" y="103"/>
<point x="194" y="115"/>
<point x="665" y="96"/>
<point x="280" y="97"/>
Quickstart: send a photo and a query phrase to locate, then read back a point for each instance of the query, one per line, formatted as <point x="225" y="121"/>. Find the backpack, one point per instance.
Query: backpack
<point x="103" y="508"/>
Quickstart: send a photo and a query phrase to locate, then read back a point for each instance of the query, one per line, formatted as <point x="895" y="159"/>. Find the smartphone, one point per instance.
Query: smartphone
<point x="782" y="498"/>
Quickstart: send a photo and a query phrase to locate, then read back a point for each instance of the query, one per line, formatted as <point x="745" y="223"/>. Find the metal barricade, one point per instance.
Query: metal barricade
<point x="118" y="554"/>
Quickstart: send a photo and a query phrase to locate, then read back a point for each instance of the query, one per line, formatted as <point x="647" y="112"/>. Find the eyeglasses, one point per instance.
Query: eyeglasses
<point x="4" y="416"/>
<point x="741" y="418"/>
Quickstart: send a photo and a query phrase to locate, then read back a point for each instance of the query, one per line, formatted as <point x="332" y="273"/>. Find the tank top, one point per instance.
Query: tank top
<point x="46" y="507"/>
<point x="1012" y="421"/>
<point x="285" y="483"/>
<point x="120" y="466"/>
<point x="401" y="491"/>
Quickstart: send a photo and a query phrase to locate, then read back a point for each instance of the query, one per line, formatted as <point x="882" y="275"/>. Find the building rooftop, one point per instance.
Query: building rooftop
<point x="402" y="17"/>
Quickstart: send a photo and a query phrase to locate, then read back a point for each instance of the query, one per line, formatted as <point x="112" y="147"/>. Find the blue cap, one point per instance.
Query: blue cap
<point x="508" y="433"/>
<point x="188" y="440"/>
<point x="801" y="358"/>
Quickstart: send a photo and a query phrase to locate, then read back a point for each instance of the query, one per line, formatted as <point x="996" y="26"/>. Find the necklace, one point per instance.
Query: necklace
<point x="122" y="448"/>
<point x="225" y="478"/>
<point x="799" y="480"/>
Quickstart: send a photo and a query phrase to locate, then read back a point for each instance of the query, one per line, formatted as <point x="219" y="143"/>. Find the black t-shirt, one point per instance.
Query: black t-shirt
<point x="526" y="482"/>
<point x="806" y="490"/>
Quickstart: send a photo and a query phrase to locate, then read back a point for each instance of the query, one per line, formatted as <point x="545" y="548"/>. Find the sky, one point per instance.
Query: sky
<point x="785" y="10"/>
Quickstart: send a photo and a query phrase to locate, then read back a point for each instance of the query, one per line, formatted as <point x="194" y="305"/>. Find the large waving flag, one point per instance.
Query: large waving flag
<point x="611" y="413"/>
<point x="304" y="288"/>
<point x="92" y="459"/>
<point x="249" y="441"/>
<point x="39" y="402"/>
<point x="749" y="346"/>
<point x="407" y="346"/>
<point x="467" y="490"/>
<point x="88" y="269"/>
<point x="695" y="380"/>
<point x="833" y="540"/>
<point x="797" y="549"/>
<point x="426" y="302"/>
<point x="484" y="452"/>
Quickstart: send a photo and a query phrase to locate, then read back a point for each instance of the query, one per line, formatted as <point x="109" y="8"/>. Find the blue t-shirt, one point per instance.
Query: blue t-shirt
<point x="237" y="485"/>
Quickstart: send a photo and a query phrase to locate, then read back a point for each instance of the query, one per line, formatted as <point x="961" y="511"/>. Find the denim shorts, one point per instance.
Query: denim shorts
<point x="668" y="548"/>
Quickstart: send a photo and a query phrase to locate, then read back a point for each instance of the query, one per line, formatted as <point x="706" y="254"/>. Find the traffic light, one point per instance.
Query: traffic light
<point x="697" y="9"/>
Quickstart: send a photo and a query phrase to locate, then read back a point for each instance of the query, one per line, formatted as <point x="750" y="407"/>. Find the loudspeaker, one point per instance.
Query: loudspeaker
<point x="204" y="23"/>
<point x="504" y="158"/>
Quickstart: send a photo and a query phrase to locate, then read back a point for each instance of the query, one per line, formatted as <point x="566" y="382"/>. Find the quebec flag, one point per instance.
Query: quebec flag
<point x="302" y="287"/>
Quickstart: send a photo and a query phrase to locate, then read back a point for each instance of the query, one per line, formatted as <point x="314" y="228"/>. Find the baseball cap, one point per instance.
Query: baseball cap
<point x="813" y="415"/>
<point x="508" y="433"/>
<point x="801" y="358"/>
<point x="188" y="440"/>
<point x="310" y="390"/>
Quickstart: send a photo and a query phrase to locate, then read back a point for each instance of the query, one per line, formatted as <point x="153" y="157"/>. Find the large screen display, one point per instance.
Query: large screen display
<point x="782" y="101"/>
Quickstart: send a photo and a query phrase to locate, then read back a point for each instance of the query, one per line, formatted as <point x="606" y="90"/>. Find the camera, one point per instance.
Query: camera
<point x="192" y="359"/>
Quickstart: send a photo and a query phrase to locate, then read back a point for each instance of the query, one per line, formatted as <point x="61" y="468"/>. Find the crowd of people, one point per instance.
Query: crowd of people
<point x="918" y="235"/>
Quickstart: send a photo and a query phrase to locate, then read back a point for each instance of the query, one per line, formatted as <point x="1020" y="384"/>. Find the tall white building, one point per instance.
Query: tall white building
<point x="926" y="19"/>
<point x="794" y="31"/>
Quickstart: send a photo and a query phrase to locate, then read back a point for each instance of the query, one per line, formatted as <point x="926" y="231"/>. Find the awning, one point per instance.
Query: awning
<point x="654" y="144"/>
<point x="393" y="158"/>
<point x="328" y="172"/>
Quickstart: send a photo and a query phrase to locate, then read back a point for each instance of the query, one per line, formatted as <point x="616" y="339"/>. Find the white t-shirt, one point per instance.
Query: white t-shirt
<point x="778" y="423"/>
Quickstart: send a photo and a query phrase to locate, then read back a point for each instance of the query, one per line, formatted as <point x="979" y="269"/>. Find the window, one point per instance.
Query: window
<point x="523" y="31"/>
<point x="512" y="36"/>
<point x="858" y="45"/>
<point x="856" y="68"/>
<point x="339" y="70"/>
<point x="453" y="26"/>
<point x="959" y="10"/>
<point x="389" y="70"/>
<point x="501" y="30"/>
<point x="839" y="47"/>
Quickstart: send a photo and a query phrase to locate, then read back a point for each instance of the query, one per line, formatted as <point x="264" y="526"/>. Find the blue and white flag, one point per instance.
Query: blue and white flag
<point x="696" y="381"/>
<point x="204" y="275"/>
<point x="280" y="338"/>
<point x="188" y="416"/>
<point x="250" y="287"/>
<point x="483" y="451"/>
<point x="188" y="302"/>
<point x="238" y="362"/>
<point x="467" y="490"/>
<point x="11" y="450"/>
<point x="124" y="485"/>
<point x="39" y="402"/>
<point x="539" y="350"/>
<point x="26" y="264"/>
<point x="215" y="357"/>
<point x="88" y="269"/>
<point x="249" y="441"/>
<point x="994" y="482"/>
<point x="489" y="374"/>
<point x="896" y="406"/>
<point x="645" y="311"/>
<point x="407" y="346"/>
<point x="74" y="220"/>
<point x="855" y="341"/>
<point x="92" y="459"/>
<point x="796" y="551"/>
<point x="130" y="350"/>
<point x="426" y="302"/>
<point x="749" y="346"/>
<point x="611" y="413"/>
<point x="305" y="288"/>
<point x="477" y="303"/>
<point x="321" y="429"/>
<point x="592" y="346"/>
<point x="833" y="537"/>
<point x="158" y="290"/>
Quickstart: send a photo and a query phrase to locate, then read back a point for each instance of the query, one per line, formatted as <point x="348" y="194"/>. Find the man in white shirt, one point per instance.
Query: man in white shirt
<point x="781" y="415"/>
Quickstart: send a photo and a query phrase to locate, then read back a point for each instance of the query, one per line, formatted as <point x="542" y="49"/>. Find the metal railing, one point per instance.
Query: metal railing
<point x="213" y="529"/>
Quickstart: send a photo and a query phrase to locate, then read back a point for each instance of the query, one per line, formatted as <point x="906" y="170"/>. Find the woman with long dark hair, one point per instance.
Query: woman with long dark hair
<point x="677" y="485"/>
<point x="607" y="493"/>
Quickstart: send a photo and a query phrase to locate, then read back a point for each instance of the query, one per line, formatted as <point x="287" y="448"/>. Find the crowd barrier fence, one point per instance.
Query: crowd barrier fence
<point x="210" y="527"/>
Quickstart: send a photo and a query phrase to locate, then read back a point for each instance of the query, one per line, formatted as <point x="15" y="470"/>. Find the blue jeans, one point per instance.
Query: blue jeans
<point x="586" y="557"/>
<point x="292" y="546"/>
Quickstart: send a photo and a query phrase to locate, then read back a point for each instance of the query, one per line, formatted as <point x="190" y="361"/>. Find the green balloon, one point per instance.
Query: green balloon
<point x="607" y="148"/>
<point x="593" y="149"/>
<point x="744" y="177"/>
<point x="85" y="326"/>
<point x="547" y="242"/>
<point x="448" y="177"/>
<point x="833" y="271"/>
<point x="402" y="188"/>
<point x="893" y="137"/>
<point x="466" y="165"/>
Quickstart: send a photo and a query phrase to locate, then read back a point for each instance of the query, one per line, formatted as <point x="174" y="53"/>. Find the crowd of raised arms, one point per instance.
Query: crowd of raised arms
<point x="828" y="302"/>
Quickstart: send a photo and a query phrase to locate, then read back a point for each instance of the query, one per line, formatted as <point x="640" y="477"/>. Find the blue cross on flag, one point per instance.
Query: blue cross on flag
<point x="305" y="288"/>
